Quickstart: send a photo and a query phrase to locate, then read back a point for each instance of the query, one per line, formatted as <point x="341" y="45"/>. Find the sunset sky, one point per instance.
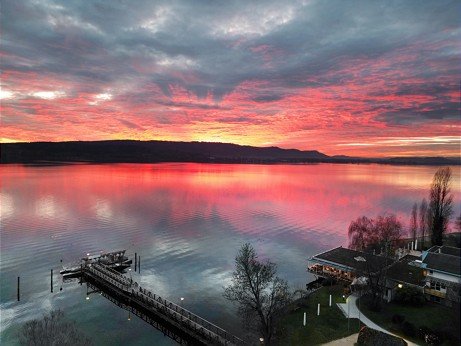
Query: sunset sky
<point x="364" y="78"/>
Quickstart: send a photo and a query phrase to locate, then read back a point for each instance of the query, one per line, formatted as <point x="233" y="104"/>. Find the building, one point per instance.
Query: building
<point x="345" y="264"/>
<point x="442" y="271"/>
<point x="436" y="273"/>
<point x="405" y="272"/>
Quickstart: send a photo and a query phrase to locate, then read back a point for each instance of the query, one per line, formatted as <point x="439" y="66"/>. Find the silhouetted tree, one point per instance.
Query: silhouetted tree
<point x="414" y="222"/>
<point x="52" y="329"/>
<point x="440" y="205"/>
<point x="389" y="232"/>
<point x="257" y="290"/>
<point x="360" y="233"/>
<point x="380" y="235"/>
<point x="423" y="221"/>
<point x="458" y="223"/>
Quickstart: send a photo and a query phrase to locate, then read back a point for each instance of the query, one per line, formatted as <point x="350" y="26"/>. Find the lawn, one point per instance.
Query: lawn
<point x="434" y="316"/>
<point x="330" y="325"/>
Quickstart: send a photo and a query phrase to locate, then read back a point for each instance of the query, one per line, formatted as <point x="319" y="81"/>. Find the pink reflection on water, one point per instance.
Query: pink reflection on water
<point x="253" y="199"/>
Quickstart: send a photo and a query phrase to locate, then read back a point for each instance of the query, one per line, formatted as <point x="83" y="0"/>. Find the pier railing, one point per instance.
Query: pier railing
<point x="173" y="311"/>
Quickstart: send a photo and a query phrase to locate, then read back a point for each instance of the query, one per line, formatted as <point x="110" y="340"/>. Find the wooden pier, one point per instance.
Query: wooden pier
<point x="184" y="326"/>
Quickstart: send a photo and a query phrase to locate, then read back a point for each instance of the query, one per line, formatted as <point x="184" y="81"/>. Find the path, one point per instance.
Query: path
<point x="351" y="307"/>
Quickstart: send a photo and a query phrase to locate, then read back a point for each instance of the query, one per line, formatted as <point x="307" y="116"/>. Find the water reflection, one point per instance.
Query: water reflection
<point x="186" y="221"/>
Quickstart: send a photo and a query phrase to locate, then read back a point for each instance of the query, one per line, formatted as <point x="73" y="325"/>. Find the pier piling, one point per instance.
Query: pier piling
<point x="139" y="264"/>
<point x="51" y="281"/>
<point x="18" y="289"/>
<point x="135" y="262"/>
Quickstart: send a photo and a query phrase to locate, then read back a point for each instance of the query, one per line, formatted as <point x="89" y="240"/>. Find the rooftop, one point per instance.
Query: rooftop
<point x="446" y="250"/>
<point x="356" y="260"/>
<point x="403" y="271"/>
<point x="443" y="262"/>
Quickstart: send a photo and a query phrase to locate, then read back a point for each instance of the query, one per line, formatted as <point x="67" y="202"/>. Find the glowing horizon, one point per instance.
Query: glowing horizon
<point x="334" y="77"/>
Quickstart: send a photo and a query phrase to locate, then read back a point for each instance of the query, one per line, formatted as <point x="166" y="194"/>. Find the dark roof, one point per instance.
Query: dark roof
<point x="442" y="262"/>
<point x="447" y="250"/>
<point x="403" y="271"/>
<point x="351" y="258"/>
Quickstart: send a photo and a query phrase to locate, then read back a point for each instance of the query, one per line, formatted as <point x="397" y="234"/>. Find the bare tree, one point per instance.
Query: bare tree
<point x="360" y="233"/>
<point x="458" y="223"/>
<point x="389" y="232"/>
<point x="257" y="291"/>
<point x="52" y="329"/>
<point x="440" y="205"/>
<point x="380" y="235"/>
<point x="414" y="222"/>
<point x="375" y="271"/>
<point x="423" y="221"/>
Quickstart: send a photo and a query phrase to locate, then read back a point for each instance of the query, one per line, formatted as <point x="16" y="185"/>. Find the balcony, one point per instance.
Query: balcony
<point x="434" y="292"/>
<point x="329" y="272"/>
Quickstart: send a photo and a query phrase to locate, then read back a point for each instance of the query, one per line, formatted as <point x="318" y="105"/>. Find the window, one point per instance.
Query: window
<point x="442" y="286"/>
<point x="437" y="286"/>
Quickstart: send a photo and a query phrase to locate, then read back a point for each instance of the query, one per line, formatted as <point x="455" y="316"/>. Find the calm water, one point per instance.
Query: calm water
<point x="186" y="221"/>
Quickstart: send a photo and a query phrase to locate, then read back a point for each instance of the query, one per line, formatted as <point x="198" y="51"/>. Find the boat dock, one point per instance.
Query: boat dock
<point x="186" y="326"/>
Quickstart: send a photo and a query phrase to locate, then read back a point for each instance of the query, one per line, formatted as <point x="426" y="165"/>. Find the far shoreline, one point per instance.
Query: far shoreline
<point x="139" y="152"/>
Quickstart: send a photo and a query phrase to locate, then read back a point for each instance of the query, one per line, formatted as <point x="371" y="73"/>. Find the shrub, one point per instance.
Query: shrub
<point x="423" y="331"/>
<point x="409" y="296"/>
<point x="433" y="339"/>
<point x="449" y="333"/>
<point x="52" y="329"/>
<point x="371" y="337"/>
<point x="398" y="319"/>
<point x="408" y="329"/>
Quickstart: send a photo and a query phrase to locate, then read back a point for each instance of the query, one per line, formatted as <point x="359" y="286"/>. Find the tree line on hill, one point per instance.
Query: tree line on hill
<point x="130" y="151"/>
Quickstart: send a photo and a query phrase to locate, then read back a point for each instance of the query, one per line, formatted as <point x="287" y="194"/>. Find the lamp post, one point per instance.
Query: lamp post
<point x="348" y="313"/>
<point x="360" y="259"/>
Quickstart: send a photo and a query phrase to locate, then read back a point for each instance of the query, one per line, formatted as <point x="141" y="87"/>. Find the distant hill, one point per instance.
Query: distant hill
<point x="149" y="151"/>
<point x="404" y="160"/>
<point x="129" y="151"/>
<point x="425" y="160"/>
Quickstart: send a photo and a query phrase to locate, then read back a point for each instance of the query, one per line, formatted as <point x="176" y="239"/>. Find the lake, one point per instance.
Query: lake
<point x="187" y="222"/>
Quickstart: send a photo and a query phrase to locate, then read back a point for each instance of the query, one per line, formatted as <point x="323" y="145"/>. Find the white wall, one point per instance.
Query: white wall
<point x="446" y="277"/>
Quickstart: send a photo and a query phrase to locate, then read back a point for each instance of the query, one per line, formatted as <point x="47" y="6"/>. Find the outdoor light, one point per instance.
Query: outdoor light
<point x="400" y="285"/>
<point x="87" y="297"/>
<point x="261" y="339"/>
<point x="182" y="298"/>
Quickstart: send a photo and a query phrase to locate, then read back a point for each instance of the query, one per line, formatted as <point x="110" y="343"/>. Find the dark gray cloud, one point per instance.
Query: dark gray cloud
<point x="210" y="48"/>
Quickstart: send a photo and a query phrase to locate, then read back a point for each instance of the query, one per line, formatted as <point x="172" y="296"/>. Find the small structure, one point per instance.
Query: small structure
<point x="114" y="259"/>
<point x="442" y="270"/>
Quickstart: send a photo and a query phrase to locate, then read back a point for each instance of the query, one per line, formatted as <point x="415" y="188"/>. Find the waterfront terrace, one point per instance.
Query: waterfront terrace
<point x="346" y="264"/>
